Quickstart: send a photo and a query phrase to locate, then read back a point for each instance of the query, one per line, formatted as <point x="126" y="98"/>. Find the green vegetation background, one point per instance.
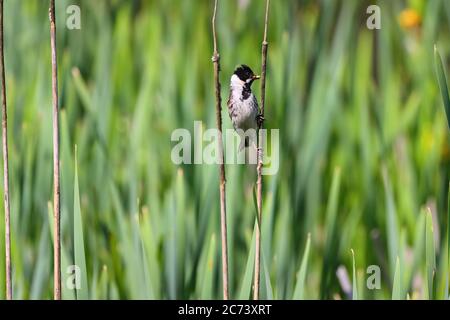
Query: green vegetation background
<point x="364" y="149"/>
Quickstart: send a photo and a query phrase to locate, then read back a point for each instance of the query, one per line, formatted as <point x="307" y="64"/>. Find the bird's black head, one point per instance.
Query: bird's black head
<point x="245" y="74"/>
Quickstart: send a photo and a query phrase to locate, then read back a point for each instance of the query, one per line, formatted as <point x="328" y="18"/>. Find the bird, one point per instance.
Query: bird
<point x="242" y="104"/>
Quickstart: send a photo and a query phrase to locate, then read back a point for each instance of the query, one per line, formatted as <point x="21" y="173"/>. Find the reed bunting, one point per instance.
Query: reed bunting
<point x="243" y="106"/>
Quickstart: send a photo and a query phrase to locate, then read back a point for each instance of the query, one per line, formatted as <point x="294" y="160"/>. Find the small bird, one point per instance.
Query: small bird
<point x="242" y="104"/>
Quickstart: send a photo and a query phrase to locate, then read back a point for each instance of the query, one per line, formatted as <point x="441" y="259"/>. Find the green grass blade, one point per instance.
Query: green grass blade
<point x="442" y="79"/>
<point x="430" y="253"/>
<point x="355" y="282"/>
<point x="391" y="222"/>
<point x="299" y="292"/>
<point x="82" y="90"/>
<point x="103" y="284"/>
<point x="246" y="283"/>
<point x="80" y="258"/>
<point x="42" y="266"/>
<point x="396" y="288"/>
<point x="331" y="243"/>
<point x="266" y="279"/>
<point x="447" y="269"/>
<point x="208" y="274"/>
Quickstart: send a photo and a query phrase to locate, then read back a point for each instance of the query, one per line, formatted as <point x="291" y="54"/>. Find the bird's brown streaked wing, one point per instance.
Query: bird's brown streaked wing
<point x="255" y="101"/>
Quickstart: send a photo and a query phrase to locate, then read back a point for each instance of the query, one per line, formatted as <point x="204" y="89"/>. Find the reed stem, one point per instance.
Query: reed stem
<point x="257" y="274"/>
<point x="56" y="174"/>
<point x="5" y="165"/>
<point x="223" y="208"/>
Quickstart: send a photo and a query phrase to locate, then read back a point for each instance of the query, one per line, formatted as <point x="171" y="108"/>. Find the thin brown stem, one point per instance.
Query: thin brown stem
<point x="56" y="175"/>
<point x="223" y="207"/>
<point x="257" y="274"/>
<point x="5" y="164"/>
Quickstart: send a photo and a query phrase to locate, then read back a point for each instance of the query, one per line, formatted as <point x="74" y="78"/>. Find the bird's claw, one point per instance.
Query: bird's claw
<point x="260" y="119"/>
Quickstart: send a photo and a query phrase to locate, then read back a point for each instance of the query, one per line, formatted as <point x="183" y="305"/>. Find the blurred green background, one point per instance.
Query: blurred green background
<point x="364" y="148"/>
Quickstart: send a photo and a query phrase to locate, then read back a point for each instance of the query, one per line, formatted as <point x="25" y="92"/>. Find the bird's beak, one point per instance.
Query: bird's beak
<point x="255" y="77"/>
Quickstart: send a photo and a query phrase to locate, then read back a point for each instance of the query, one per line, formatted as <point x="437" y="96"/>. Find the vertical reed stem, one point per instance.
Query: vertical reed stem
<point x="5" y="164"/>
<point x="223" y="208"/>
<point x="56" y="181"/>
<point x="256" y="285"/>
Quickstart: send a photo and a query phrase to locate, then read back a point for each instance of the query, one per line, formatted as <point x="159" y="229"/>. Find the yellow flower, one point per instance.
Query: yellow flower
<point x="409" y="18"/>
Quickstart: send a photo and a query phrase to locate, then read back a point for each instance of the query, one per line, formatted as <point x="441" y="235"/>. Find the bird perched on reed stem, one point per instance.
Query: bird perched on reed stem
<point x="243" y="106"/>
